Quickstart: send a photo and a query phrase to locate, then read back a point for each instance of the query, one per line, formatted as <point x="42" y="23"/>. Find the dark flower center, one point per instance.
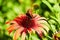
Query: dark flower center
<point x="27" y="22"/>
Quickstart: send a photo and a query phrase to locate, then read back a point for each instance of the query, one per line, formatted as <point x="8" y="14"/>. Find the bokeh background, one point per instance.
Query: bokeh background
<point x="50" y="9"/>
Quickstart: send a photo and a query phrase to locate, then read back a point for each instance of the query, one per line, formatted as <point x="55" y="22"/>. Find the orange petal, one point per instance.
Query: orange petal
<point x="18" y="33"/>
<point x="7" y="22"/>
<point x="13" y="26"/>
<point x="10" y="29"/>
<point x="23" y="36"/>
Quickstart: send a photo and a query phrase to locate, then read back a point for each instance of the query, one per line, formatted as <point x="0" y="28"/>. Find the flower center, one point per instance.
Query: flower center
<point x="27" y="22"/>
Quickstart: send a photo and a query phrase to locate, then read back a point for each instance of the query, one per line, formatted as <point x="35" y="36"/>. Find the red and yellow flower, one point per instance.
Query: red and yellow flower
<point x="26" y="23"/>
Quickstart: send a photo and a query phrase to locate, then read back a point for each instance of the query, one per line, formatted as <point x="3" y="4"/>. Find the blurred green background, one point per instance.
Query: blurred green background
<point x="50" y="9"/>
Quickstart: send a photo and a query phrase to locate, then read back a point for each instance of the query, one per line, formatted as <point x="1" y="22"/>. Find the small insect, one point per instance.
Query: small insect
<point x="29" y="13"/>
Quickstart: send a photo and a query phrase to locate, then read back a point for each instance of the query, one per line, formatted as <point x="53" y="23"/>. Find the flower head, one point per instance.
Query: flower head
<point x="56" y="36"/>
<point x="26" y="23"/>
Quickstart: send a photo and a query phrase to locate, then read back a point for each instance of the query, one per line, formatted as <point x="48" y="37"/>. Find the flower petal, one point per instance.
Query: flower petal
<point x="13" y="26"/>
<point x="7" y="22"/>
<point x="43" y="24"/>
<point x="29" y="30"/>
<point x="23" y="36"/>
<point x="36" y="16"/>
<point x="19" y="18"/>
<point x="39" y="31"/>
<point x="41" y="18"/>
<point x="10" y="29"/>
<point x="18" y="33"/>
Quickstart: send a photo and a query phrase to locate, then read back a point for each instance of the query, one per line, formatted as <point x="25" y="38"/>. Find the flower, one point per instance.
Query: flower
<point x="26" y="23"/>
<point x="56" y="36"/>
